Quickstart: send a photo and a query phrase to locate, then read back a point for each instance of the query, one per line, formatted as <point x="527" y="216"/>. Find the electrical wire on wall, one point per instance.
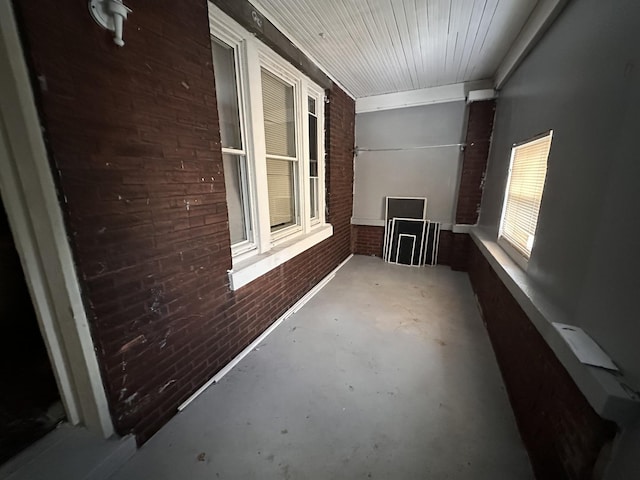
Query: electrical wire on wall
<point x="357" y="150"/>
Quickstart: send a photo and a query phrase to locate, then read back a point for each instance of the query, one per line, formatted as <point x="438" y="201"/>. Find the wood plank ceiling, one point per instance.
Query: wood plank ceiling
<point x="373" y="47"/>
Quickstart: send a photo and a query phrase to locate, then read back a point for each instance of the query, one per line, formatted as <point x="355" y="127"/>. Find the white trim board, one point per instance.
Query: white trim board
<point x="541" y="18"/>
<point x="296" y="306"/>
<point x="30" y="199"/>
<point x="425" y="96"/>
<point x="254" y="267"/>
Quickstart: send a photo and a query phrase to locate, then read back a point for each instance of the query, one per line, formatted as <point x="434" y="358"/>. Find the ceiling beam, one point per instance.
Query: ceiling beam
<point x="541" y="18"/>
<point x="424" y="96"/>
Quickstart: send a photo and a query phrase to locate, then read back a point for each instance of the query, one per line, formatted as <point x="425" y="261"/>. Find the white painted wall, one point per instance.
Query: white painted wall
<point x="431" y="173"/>
<point x="582" y="81"/>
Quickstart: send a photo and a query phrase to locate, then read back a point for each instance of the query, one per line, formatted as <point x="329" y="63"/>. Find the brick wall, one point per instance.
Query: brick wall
<point x="368" y="240"/>
<point x="474" y="162"/>
<point x="134" y="140"/>
<point x="561" y="431"/>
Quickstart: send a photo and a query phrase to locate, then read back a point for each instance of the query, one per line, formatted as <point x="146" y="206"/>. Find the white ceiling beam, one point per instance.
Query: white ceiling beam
<point x="541" y="18"/>
<point x="480" y="95"/>
<point x="423" y="96"/>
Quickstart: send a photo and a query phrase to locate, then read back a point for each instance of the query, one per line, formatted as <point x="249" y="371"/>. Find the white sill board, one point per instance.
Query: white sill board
<point x="254" y="267"/>
<point x="604" y="391"/>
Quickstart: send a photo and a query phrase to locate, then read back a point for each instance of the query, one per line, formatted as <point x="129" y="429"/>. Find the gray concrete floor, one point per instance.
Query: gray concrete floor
<point x="387" y="373"/>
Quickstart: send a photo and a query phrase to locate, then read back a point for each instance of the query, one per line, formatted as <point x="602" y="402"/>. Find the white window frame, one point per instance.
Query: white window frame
<point x="270" y="249"/>
<point x="236" y="42"/>
<point x="272" y="63"/>
<point x="507" y="246"/>
<point x="318" y="96"/>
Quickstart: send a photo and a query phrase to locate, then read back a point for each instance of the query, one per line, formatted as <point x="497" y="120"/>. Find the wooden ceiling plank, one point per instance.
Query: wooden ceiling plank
<point x="485" y="22"/>
<point x="374" y="47"/>
<point x="299" y="24"/>
<point x="361" y="37"/>
<point x="396" y="83"/>
<point x="407" y="43"/>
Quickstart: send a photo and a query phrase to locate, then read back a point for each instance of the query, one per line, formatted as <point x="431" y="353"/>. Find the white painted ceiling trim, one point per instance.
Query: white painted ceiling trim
<point x="541" y="18"/>
<point x="292" y="39"/>
<point x="411" y="98"/>
<point x="479" y="95"/>
<point x="425" y="96"/>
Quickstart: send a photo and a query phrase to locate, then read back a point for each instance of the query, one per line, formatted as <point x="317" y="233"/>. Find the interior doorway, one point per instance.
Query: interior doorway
<point x="30" y="404"/>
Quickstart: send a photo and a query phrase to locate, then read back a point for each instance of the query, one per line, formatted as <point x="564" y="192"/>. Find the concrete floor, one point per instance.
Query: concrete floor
<point x="387" y="373"/>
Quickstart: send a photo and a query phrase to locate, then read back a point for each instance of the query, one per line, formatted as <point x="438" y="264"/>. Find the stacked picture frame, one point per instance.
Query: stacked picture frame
<point x="409" y="238"/>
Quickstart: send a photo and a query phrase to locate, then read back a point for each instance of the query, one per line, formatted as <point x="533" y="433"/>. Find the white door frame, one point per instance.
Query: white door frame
<point x="30" y="199"/>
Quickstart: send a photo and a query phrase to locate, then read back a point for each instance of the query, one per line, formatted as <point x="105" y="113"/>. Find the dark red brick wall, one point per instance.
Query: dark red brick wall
<point x="134" y="139"/>
<point x="367" y="240"/>
<point x="561" y="431"/>
<point x="474" y="162"/>
<point x="459" y="256"/>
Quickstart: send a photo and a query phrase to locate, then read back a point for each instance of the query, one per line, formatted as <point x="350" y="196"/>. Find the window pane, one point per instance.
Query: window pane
<point x="313" y="158"/>
<point x="313" y="188"/>
<point x="313" y="139"/>
<point x="279" y="116"/>
<point x="224" y="69"/>
<point x="280" y="180"/>
<point x="236" y="197"/>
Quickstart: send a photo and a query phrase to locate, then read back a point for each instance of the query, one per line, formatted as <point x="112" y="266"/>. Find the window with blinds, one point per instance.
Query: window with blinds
<point x="279" y="116"/>
<point x="524" y="193"/>
<point x="280" y="142"/>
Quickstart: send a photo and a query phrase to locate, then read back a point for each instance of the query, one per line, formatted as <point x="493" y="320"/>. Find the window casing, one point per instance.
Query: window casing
<point x="274" y="172"/>
<point x="523" y="196"/>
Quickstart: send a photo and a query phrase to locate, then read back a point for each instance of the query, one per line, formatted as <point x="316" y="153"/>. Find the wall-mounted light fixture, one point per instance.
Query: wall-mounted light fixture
<point x="110" y="14"/>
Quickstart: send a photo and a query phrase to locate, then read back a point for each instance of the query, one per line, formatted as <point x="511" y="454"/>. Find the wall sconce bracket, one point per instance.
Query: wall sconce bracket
<point x="110" y="14"/>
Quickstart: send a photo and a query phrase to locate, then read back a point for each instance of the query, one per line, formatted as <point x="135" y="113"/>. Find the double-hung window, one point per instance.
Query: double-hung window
<point x="525" y="184"/>
<point x="271" y="119"/>
<point x="281" y="153"/>
<point x="226" y="58"/>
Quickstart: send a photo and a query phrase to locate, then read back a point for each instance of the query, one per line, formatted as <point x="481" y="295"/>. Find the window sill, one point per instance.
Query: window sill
<point x="603" y="390"/>
<point x="248" y="270"/>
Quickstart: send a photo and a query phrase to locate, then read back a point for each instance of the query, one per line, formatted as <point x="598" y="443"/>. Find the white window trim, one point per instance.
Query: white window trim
<point x="273" y="64"/>
<point x="248" y="270"/>
<point x="318" y="95"/>
<point x="271" y="249"/>
<point x="231" y="38"/>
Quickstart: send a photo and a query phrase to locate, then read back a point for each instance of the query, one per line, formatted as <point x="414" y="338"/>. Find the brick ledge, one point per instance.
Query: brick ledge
<point x="604" y="391"/>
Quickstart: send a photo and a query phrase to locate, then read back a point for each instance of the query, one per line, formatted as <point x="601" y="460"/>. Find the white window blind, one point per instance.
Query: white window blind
<point x="280" y="180"/>
<point x="279" y="116"/>
<point x="524" y="194"/>
<point x="279" y="133"/>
